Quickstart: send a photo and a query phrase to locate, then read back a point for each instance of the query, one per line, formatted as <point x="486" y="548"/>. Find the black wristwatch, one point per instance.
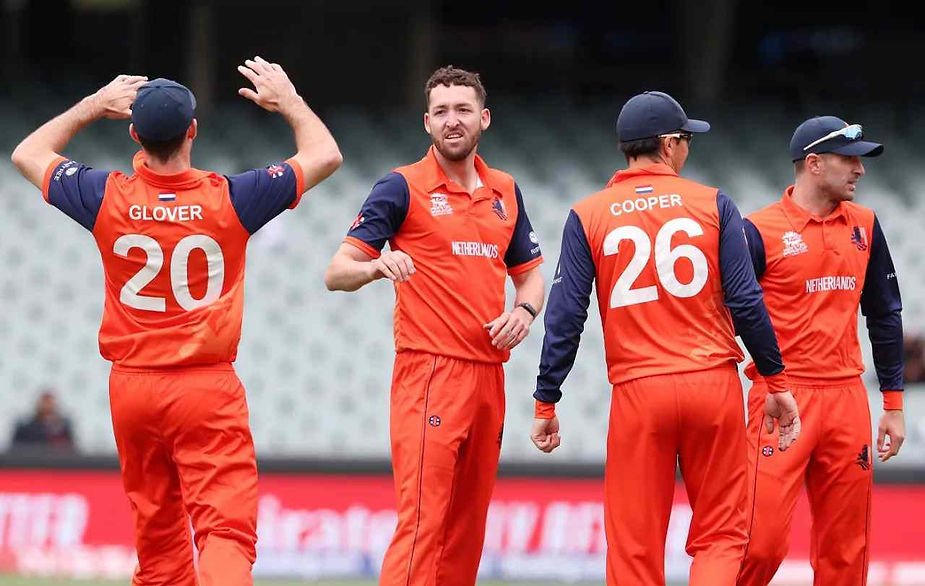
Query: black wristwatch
<point x="530" y="309"/>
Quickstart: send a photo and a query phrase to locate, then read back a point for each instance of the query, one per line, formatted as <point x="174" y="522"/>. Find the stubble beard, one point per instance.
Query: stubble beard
<point x="458" y="153"/>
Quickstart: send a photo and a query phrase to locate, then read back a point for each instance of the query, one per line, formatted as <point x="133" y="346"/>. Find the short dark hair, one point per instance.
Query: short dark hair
<point x="162" y="150"/>
<point x="451" y="75"/>
<point x="641" y="147"/>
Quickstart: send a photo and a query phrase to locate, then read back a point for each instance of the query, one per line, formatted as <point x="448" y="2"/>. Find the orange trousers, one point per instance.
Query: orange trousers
<point x="834" y="458"/>
<point x="186" y="454"/>
<point x="694" y="419"/>
<point x="447" y="417"/>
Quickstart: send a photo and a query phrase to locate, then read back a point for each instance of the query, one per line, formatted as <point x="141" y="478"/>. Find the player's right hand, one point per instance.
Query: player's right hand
<point x="782" y="407"/>
<point x="272" y="87"/>
<point x="545" y="434"/>
<point x="114" y="100"/>
<point x="394" y="265"/>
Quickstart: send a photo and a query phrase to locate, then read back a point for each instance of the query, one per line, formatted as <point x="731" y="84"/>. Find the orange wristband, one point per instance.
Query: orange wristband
<point x="543" y="410"/>
<point x="892" y="400"/>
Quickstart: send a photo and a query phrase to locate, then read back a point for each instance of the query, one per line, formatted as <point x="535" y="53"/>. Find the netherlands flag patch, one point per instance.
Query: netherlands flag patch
<point x="643" y="189"/>
<point x="166" y="196"/>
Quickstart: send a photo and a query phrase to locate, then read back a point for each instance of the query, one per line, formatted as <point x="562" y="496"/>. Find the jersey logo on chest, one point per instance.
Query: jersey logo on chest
<point x="793" y="244"/>
<point x="439" y="205"/>
<point x="859" y="237"/>
<point x="497" y="206"/>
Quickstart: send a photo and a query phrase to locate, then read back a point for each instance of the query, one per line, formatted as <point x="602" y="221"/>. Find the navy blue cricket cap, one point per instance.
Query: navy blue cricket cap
<point x="830" y="134"/>
<point x="163" y="110"/>
<point x="653" y="113"/>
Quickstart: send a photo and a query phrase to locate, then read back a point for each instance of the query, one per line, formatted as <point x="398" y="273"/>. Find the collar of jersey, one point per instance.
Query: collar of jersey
<point x="653" y="169"/>
<point x="183" y="179"/>
<point x="799" y="217"/>
<point x="435" y="176"/>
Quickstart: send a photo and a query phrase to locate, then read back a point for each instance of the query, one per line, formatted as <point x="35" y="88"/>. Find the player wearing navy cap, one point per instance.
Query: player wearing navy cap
<point x="819" y="258"/>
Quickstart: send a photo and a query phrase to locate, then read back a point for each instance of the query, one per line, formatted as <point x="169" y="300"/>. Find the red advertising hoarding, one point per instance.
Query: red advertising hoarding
<point x="78" y="523"/>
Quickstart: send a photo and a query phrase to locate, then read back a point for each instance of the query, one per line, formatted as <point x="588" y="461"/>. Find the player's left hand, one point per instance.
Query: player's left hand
<point x="890" y="433"/>
<point x="509" y="329"/>
<point x="114" y="100"/>
<point x="272" y="88"/>
<point x="545" y="434"/>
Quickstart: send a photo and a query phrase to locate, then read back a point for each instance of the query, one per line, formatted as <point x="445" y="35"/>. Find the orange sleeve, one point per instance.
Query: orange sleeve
<point x="357" y="243"/>
<point x="299" y="181"/>
<point x="525" y="266"/>
<point x="777" y="383"/>
<point x="46" y="181"/>
<point x="892" y="400"/>
<point x="543" y="410"/>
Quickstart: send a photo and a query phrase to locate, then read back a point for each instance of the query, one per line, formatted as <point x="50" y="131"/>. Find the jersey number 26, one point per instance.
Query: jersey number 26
<point x="665" y="258"/>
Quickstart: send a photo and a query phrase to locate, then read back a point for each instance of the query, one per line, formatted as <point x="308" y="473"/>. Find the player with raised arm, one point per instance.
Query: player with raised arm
<point x="172" y="240"/>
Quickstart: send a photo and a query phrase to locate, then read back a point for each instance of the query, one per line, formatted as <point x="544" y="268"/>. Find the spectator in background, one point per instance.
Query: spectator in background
<point x="46" y="428"/>
<point x="914" y="351"/>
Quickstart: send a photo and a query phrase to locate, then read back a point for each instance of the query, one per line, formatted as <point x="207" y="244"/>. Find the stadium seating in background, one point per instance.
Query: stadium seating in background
<point x="317" y="364"/>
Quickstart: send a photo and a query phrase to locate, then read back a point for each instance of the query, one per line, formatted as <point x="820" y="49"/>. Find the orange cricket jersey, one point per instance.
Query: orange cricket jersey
<point x="463" y="247"/>
<point x="173" y="253"/>
<point x="654" y="239"/>
<point x="813" y="277"/>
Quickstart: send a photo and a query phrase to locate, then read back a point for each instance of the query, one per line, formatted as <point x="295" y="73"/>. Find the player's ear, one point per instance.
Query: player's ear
<point x="132" y="133"/>
<point x="193" y="129"/>
<point x="486" y="119"/>
<point x="665" y="147"/>
<point x="813" y="163"/>
<point x="427" y="122"/>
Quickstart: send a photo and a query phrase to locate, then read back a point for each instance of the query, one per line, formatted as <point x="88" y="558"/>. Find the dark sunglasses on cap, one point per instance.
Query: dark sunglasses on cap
<point x="852" y="132"/>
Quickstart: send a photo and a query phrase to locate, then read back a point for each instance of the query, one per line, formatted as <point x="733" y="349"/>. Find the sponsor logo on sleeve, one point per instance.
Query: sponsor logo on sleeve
<point x="67" y="168"/>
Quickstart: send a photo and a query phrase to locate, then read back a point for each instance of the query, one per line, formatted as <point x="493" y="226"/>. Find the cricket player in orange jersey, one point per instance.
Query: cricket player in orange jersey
<point x="674" y="286"/>
<point x="172" y="240"/>
<point x="819" y="257"/>
<point x="456" y="229"/>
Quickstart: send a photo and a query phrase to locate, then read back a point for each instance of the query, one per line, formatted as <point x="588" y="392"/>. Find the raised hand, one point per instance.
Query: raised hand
<point x="114" y="100"/>
<point x="272" y="88"/>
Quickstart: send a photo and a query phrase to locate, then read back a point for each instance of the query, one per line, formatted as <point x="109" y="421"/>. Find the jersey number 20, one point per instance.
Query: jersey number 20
<point x="179" y="280"/>
<point x="665" y="258"/>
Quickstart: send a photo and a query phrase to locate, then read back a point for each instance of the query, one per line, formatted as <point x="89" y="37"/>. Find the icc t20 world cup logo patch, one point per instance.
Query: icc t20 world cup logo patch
<point x="793" y="244"/>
